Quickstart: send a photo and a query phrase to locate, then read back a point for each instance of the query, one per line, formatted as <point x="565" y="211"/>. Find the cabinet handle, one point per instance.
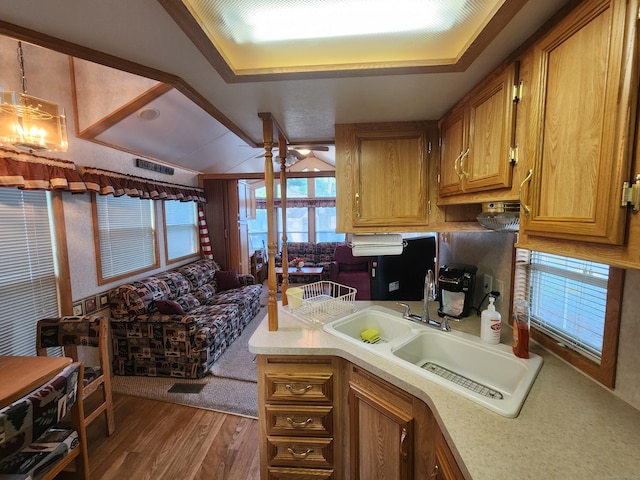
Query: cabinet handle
<point x="525" y="207"/>
<point x="464" y="155"/>
<point x="357" y="205"/>
<point x="299" y="455"/>
<point x="457" y="165"/>
<point x="403" y="438"/>
<point x="298" y="391"/>
<point x="295" y="424"/>
<point x="435" y="473"/>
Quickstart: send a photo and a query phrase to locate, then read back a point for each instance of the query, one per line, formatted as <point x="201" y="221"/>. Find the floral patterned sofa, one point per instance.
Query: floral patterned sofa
<point x="314" y="254"/>
<point x="178" y="323"/>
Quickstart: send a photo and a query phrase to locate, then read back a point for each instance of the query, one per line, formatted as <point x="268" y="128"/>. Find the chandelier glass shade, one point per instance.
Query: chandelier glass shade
<point x="30" y="123"/>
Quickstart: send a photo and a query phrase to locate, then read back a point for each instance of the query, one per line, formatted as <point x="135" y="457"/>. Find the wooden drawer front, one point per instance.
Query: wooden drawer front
<point x="279" y="473"/>
<point x="283" y="387"/>
<point x="299" y="420"/>
<point x="300" y="452"/>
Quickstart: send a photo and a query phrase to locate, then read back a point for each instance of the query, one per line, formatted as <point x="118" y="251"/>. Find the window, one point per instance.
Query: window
<point x="126" y="240"/>
<point x="28" y="281"/>
<point x="311" y="213"/>
<point x="181" y="229"/>
<point x="574" y="308"/>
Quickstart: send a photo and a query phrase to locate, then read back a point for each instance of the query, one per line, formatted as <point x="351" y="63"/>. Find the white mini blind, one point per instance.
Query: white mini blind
<point x="181" y="224"/>
<point x="126" y="231"/>
<point x="567" y="296"/>
<point x="28" y="287"/>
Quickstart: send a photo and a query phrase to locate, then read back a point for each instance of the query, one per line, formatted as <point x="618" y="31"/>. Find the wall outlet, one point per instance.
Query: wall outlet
<point x="393" y="286"/>
<point x="487" y="285"/>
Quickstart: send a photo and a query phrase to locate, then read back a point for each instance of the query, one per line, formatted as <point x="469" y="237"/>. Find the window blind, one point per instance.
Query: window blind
<point x="181" y="224"/>
<point x="567" y="297"/>
<point x="126" y="232"/>
<point x="28" y="287"/>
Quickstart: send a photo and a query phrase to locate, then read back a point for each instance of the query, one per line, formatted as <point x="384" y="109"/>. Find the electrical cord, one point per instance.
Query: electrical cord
<point x="493" y="294"/>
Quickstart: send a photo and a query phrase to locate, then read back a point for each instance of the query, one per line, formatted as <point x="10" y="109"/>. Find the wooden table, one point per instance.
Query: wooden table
<point x="294" y="272"/>
<point x="21" y="375"/>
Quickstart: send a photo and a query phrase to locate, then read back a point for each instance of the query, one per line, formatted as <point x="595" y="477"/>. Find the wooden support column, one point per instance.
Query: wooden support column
<point x="282" y="152"/>
<point x="267" y="135"/>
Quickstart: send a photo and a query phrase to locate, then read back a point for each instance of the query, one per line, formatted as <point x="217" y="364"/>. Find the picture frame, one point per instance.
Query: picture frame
<point x="90" y="305"/>
<point x="77" y="309"/>
<point x="103" y="300"/>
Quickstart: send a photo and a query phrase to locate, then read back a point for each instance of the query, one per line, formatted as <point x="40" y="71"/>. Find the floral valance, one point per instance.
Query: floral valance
<point x="298" y="202"/>
<point x="30" y="172"/>
<point x="105" y="182"/>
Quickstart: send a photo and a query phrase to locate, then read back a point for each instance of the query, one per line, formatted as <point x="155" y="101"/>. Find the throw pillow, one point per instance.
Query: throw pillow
<point x="227" y="279"/>
<point x="169" y="307"/>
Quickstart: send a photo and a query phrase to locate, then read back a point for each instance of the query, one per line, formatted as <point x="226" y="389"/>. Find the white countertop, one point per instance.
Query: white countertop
<point x="569" y="427"/>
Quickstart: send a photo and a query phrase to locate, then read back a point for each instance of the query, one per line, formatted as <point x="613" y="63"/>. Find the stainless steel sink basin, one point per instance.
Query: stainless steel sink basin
<point x="490" y="375"/>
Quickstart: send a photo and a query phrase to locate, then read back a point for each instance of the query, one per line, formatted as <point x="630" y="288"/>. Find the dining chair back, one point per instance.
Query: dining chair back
<point x="33" y="441"/>
<point x="70" y="333"/>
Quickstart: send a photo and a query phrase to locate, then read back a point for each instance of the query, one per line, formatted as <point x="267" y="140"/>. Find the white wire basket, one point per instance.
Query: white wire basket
<point x="317" y="303"/>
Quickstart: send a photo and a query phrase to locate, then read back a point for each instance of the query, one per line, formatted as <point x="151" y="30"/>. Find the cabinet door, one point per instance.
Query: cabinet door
<point x="488" y="166"/>
<point x="582" y="96"/>
<point x="446" y="467"/>
<point x="381" y="435"/>
<point x="391" y="178"/>
<point x="453" y="131"/>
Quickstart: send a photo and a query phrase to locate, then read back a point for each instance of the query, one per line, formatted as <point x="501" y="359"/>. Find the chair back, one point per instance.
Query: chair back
<point x="346" y="261"/>
<point x="27" y="419"/>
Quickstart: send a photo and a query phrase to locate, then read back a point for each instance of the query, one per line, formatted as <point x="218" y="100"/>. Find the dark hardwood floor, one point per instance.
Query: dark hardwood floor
<point x="159" y="440"/>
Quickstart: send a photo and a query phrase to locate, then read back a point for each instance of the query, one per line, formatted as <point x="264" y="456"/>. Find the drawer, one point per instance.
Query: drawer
<point x="299" y="420"/>
<point x="295" y="387"/>
<point x="300" y="452"/>
<point x="281" y="473"/>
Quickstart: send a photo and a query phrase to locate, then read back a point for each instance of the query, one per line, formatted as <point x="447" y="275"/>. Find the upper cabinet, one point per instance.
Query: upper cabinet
<point x="583" y="97"/>
<point x="381" y="176"/>
<point x="477" y="138"/>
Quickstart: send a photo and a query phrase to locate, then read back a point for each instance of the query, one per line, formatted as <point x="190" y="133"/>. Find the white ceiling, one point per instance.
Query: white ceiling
<point x="140" y="36"/>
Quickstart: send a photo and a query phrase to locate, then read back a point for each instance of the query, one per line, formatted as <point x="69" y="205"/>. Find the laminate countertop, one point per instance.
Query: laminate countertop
<point x="569" y="428"/>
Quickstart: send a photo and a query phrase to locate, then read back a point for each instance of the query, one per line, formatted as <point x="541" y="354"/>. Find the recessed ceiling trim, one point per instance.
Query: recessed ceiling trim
<point x="189" y="24"/>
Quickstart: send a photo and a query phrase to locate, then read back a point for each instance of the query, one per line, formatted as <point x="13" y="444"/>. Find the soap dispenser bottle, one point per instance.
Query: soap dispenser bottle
<point x="490" y="323"/>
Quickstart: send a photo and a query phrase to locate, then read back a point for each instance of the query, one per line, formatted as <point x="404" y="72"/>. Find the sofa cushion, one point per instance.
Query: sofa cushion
<point x="177" y="283"/>
<point x="199" y="273"/>
<point x="205" y="293"/>
<point x="169" y="307"/>
<point x="188" y="302"/>
<point x="227" y="279"/>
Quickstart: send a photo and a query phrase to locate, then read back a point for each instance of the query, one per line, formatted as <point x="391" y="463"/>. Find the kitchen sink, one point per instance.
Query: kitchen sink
<point x="490" y="375"/>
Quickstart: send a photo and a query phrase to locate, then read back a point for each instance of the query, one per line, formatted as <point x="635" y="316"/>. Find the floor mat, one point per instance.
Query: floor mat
<point x="186" y="388"/>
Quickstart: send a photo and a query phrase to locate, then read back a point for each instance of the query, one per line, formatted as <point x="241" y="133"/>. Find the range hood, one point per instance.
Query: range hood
<point x="500" y="216"/>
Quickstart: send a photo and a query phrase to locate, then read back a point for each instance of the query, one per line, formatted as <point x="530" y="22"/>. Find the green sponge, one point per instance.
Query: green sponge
<point x="370" y="335"/>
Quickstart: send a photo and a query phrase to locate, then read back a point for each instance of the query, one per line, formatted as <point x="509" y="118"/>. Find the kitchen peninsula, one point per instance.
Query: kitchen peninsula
<point x="569" y="426"/>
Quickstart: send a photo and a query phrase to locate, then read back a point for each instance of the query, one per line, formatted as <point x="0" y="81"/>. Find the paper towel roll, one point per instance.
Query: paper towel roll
<point x="376" y="244"/>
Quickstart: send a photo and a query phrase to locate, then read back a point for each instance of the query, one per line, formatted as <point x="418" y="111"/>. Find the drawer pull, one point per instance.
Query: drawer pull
<point x="298" y="391"/>
<point x="299" y="455"/>
<point x="295" y="424"/>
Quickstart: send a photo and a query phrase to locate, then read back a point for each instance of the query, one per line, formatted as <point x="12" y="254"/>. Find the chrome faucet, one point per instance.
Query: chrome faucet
<point x="429" y="296"/>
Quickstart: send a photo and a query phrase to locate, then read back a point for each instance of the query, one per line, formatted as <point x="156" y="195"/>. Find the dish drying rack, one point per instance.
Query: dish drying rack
<point x="316" y="303"/>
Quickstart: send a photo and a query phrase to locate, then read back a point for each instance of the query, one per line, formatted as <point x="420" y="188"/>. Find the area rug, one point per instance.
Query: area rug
<point x="230" y="386"/>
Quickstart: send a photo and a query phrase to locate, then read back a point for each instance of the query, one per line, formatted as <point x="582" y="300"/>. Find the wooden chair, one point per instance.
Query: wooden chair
<point x="69" y="333"/>
<point x="258" y="266"/>
<point x="33" y="443"/>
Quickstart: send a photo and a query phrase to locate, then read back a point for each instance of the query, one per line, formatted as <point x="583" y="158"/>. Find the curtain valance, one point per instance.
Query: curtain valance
<point x="30" y="172"/>
<point x="105" y="182"/>
<point x="298" y="202"/>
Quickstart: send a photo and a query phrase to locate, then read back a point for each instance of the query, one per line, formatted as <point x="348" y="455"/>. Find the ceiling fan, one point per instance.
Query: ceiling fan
<point x="296" y="153"/>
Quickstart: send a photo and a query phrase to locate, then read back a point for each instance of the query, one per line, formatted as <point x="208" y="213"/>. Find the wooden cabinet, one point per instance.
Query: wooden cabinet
<point x="445" y="465"/>
<point x="381" y="176"/>
<point x="297" y="421"/>
<point x="477" y="136"/>
<point x="381" y="425"/>
<point x="584" y="93"/>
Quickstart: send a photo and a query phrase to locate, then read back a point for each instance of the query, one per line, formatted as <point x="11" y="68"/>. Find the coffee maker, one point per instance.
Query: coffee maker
<point x="456" y="284"/>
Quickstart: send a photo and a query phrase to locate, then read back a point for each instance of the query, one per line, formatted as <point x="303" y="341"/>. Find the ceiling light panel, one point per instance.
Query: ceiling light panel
<point x="268" y="36"/>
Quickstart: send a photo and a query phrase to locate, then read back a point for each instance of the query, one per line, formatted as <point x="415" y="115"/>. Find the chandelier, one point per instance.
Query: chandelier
<point x="30" y="123"/>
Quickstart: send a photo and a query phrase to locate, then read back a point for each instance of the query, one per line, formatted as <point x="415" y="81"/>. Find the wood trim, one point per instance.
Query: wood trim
<point x="65" y="300"/>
